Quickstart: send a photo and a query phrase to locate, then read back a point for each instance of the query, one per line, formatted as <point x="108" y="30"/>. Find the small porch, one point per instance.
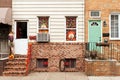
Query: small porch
<point x="102" y="59"/>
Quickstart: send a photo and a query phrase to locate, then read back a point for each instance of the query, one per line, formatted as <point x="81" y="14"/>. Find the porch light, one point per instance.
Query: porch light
<point x="104" y="24"/>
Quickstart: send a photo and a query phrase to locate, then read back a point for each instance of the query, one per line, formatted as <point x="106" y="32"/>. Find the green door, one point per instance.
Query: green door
<point x="94" y="34"/>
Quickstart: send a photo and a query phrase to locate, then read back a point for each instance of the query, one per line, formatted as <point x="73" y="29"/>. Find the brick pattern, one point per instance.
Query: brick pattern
<point x="16" y="67"/>
<point x="100" y="68"/>
<point x="56" y="51"/>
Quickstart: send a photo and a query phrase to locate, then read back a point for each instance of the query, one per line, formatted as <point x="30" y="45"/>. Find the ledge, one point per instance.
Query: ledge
<point x="3" y="58"/>
<point x="100" y="60"/>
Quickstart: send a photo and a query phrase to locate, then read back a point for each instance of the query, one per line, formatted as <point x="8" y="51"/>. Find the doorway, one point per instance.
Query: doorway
<point x="94" y="34"/>
<point x="4" y="47"/>
<point x="21" y="41"/>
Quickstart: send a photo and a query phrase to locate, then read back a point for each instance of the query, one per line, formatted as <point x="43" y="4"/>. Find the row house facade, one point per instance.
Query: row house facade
<point x="53" y="31"/>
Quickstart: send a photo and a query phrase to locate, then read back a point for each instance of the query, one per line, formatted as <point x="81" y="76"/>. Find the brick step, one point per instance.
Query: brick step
<point x="20" y="56"/>
<point x="16" y="63"/>
<point x="14" y="73"/>
<point x="15" y="67"/>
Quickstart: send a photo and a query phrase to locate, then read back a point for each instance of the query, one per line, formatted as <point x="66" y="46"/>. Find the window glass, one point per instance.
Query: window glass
<point x="70" y="28"/>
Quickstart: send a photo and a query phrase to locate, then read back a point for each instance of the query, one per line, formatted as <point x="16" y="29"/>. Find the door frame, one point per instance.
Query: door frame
<point x="15" y="27"/>
<point x="101" y="28"/>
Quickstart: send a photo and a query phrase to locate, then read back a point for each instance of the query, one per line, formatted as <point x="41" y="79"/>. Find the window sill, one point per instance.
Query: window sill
<point x="114" y="39"/>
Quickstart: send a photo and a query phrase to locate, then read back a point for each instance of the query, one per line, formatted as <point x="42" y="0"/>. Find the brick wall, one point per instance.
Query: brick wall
<point x="106" y="7"/>
<point x="100" y="67"/>
<point x="56" y="51"/>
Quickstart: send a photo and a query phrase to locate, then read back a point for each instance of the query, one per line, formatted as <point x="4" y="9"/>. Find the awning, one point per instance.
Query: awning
<point x="6" y="16"/>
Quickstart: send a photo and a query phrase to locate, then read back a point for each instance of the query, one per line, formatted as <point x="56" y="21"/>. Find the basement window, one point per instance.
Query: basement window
<point x="42" y="63"/>
<point x="70" y="63"/>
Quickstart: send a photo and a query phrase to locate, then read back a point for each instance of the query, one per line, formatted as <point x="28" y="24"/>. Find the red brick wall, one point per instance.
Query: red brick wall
<point x="56" y="51"/>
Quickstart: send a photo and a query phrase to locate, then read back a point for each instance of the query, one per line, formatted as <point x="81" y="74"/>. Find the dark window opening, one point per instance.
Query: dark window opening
<point x="42" y="63"/>
<point x="21" y="30"/>
<point x="70" y="63"/>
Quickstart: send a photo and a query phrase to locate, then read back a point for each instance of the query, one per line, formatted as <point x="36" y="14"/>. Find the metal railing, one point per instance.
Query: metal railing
<point x="95" y="50"/>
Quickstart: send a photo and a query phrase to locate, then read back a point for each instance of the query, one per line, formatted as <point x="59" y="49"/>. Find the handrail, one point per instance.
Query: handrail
<point x="103" y="50"/>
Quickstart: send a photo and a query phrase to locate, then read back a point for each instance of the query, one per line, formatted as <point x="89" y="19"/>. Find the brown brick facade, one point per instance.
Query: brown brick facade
<point x="105" y="7"/>
<point x="56" y="51"/>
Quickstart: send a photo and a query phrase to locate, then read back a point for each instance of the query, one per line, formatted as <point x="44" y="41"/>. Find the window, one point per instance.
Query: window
<point x="21" y="30"/>
<point x="43" y="24"/>
<point x="42" y="63"/>
<point x="70" y="28"/>
<point x="95" y="14"/>
<point x="70" y="63"/>
<point x="115" y="27"/>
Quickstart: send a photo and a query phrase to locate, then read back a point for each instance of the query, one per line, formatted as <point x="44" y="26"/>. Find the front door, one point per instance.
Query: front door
<point x="21" y="41"/>
<point x="94" y="32"/>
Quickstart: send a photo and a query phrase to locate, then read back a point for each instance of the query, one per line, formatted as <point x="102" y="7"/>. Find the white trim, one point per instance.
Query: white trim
<point x="55" y="3"/>
<point x="15" y="25"/>
<point x="118" y="26"/>
<point x="45" y="28"/>
<point x="72" y="28"/>
<point x="77" y="28"/>
<point x="37" y="24"/>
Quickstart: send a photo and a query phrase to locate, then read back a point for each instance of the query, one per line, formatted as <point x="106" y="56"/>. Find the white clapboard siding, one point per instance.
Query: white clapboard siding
<point x="56" y="12"/>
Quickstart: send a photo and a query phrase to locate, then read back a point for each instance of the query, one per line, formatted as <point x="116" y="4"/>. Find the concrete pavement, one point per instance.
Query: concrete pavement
<point x="59" y="76"/>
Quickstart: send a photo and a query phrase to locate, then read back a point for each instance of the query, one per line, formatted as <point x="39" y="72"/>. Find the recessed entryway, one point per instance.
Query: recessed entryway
<point x="4" y="31"/>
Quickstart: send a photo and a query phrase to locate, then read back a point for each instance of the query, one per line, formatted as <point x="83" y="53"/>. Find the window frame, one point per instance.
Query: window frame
<point x="70" y="61"/>
<point x="72" y="29"/>
<point x="112" y="38"/>
<point x="45" y="28"/>
<point x="21" y="20"/>
<point x="95" y="16"/>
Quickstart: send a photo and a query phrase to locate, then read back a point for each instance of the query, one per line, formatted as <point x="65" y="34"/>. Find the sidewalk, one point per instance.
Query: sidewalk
<point x="103" y="77"/>
<point x="59" y="76"/>
<point x="49" y="76"/>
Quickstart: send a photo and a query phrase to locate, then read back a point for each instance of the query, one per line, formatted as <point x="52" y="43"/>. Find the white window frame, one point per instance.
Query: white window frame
<point x="48" y="23"/>
<point x="95" y="16"/>
<point x="75" y="29"/>
<point x="118" y="26"/>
